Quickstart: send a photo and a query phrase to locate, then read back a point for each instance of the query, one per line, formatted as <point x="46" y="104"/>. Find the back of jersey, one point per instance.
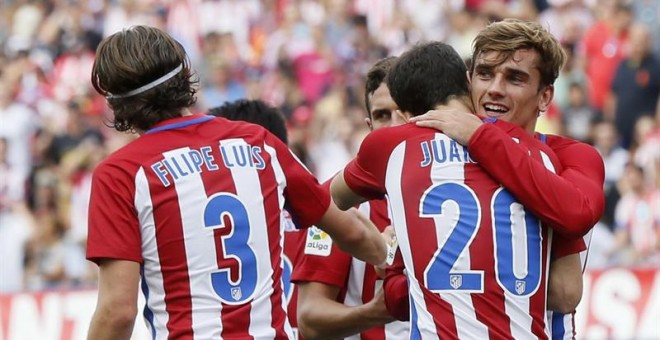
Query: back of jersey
<point x="476" y="258"/>
<point x="208" y="196"/>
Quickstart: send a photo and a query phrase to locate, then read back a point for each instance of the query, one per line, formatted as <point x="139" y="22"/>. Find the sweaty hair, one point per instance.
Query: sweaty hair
<point x="133" y="58"/>
<point x="376" y="76"/>
<point x="510" y="35"/>
<point x="256" y="112"/>
<point x="427" y="75"/>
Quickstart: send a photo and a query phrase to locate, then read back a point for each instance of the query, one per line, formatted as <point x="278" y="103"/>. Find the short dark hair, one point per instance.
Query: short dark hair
<point x="254" y="111"/>
<point x="427" y="75"/>
<point x="376" y="76"/>
<point x="132" y="58"/>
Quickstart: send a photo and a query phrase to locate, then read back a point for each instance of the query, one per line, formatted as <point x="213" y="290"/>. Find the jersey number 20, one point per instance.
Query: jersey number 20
<point x="509" y="220"/>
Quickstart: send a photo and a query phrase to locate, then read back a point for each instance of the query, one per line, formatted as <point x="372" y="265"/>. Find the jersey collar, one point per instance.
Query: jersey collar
<point x="180" y="122"/>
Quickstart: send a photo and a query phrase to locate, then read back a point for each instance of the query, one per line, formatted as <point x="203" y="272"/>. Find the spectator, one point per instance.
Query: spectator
<point x="647" y="153"/>
<point x="636" y="84"/>
<point x="637" y="220"/>
<point x="605" y="140"/>
<point x="577" y="116"/>
<point x="603" y="48"/>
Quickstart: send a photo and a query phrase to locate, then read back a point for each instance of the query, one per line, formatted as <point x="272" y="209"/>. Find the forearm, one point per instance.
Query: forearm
<point x="328" y="319"/>
<point x="569" y="202"/>
<point x="565" y="284"/>
<point x="106" y="325"/>
<point x="355" y="235"/>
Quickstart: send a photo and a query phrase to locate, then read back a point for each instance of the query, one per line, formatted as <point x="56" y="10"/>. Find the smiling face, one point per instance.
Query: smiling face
<point x="382" y="108"/>
<point x="511" y="90"/>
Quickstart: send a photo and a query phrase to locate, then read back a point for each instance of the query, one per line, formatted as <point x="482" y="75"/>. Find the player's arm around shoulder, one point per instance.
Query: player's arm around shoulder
<point x="116" y="307"/>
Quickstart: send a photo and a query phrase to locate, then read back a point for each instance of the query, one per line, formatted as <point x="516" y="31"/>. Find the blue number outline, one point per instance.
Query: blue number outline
<point x="503" y="240"/>
<point x="445" y="277"/>
<point x="235" y="245"/>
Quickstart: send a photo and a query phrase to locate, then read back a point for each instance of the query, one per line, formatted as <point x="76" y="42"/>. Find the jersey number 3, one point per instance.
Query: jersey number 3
<point x="517" y="242"/>
<point x="236" y="280"/>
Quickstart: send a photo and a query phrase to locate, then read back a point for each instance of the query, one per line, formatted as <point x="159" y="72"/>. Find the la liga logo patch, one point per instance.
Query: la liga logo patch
<point x="318" y="242"/>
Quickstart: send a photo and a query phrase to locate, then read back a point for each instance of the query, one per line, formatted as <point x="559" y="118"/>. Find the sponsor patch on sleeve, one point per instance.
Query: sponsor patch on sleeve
<point x="318" y="242"/>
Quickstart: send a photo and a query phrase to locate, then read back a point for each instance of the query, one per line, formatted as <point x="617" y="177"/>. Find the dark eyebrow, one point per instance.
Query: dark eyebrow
<point x="484" y="67"/>
<point x="517" y="72"/>
<point x="380" y="111"/>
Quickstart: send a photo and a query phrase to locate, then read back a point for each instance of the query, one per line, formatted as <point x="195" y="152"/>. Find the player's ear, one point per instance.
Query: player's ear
<point x="546" y="95"/>
<point x="400" y="116"/>
<point x="469" y="79"/>
<point x="368" y="121"/>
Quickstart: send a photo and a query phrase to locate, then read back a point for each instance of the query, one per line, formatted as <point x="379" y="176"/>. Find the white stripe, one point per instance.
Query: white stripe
<point x="516" y="307"/>
<point x="393" y="184"/>
<point x="548" y="313"/>
<point x="355" y="287"/>
<point x="248" y="188"/>
<point x="465" y="316"/>
<point x="152" y="271"/>
<point x="355" y="283"/>
<point x="568" y="326"/>
<point x="281" y="184"/>
<point x="548" y="252"/>
<point x="200" y="252"/>
<point x="547" y="162"/>
<point x="397" y="330"/>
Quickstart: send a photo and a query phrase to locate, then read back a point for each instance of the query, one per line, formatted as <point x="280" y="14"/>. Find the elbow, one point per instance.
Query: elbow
<point x="580" y="225"/>
<point x="564" y="300"/>
<point x="306" y="325"/>
<point x="308" y="332"/>
<point x="567" y="305"/>
<point x="342" y="204"/>
<point x="123" y="319"/>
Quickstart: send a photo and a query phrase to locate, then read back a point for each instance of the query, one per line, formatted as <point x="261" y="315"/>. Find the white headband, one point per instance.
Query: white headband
<point x="150" y="85"/>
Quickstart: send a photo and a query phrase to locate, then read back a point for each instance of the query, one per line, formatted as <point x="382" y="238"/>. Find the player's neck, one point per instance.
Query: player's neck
<point x="457" y="104"/>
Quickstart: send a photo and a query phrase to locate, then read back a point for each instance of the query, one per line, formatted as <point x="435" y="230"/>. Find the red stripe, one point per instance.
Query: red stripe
<point x="172" y="257"/>
<point x="235" y="319"/>
<point x="272" y="213"/>
<point x="537" y="302"/>
<point x="422" y="236"/>
<point x="490" y="306"/>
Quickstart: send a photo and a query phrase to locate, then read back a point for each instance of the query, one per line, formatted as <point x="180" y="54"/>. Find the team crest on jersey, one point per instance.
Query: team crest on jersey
<point x="318" y="242"/>
<point x="520" y="287"/>
<point x="456" y="281"/>
<point x="236" y="293"/>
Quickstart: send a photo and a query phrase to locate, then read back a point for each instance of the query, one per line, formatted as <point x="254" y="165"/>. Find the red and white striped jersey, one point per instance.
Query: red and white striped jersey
<point x="572" y="155"/>
<point x="356" y="279"/>
<point x="476" y="259"/>
<point x="197" y="201"/>
<point x="294" y="241"/>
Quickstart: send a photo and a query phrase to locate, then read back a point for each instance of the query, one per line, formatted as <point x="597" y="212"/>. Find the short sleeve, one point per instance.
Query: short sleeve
<point x="365" y="174"/>
<point x="113" y="224"/>
<point x="562" y="246"/>
<point x="305" y="197"/>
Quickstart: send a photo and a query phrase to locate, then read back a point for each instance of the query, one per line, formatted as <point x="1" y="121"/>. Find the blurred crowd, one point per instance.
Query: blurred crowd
<point x="309" y="58"/>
